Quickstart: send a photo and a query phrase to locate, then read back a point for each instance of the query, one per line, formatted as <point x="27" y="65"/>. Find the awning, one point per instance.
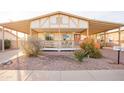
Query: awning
<point x="95" y="26"/>
<point x="20" y="26"/>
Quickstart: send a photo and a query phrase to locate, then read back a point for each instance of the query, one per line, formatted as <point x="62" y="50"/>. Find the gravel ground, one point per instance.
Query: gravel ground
<point x="113" y="55"/>
<point x="62" y="61"/>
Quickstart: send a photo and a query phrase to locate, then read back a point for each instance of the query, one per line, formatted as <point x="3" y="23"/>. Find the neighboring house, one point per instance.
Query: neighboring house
<point x="60" y="30"/>
<point x="10" y="36"/>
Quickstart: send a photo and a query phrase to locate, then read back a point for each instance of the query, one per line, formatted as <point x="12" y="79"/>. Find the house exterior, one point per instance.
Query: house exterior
<point x="62" y="31"/>
<point x="10" y="36"/>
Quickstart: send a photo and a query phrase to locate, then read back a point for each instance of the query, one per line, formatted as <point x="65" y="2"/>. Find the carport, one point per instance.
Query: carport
<point x="93" y="26"/>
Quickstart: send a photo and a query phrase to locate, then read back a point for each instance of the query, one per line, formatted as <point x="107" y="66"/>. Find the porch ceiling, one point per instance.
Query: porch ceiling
<point x="57" y="30"/>
<point x="20" y="26"/>
<point x="97" y="26"/>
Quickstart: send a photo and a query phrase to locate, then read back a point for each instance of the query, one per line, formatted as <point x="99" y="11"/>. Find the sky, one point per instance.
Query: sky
<point x="12" y="10"/>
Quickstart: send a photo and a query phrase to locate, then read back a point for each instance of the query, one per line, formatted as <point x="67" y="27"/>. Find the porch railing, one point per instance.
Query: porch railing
<point x="60" y="44"/>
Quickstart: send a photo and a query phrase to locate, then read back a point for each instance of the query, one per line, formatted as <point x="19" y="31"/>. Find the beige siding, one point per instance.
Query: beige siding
<point x="57" y="36"/>
<point x="7" y="35"/>
<point x="122" y="38"/>
<point x="11" y="37"/>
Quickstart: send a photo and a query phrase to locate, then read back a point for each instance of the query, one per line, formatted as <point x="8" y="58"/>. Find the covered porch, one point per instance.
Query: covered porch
<point x="61" y="31"/>
<point x="65" y="39"/>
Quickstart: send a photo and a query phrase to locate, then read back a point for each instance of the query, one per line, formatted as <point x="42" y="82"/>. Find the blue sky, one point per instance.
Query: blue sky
<point x="112" y="16"/>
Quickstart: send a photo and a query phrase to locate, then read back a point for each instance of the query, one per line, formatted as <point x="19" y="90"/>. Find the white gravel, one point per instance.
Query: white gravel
<point x="62" y="61"/>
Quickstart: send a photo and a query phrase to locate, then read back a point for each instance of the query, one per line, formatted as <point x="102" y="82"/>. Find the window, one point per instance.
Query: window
<point x="64" y="21"/>
<point x="49" y="37"/>
<point x="35" y="24"/>
<point x="66" y="37"/>
<point x="83" y="24"/>
<point x="53" y="21"/>
<point x="44" y="23"/>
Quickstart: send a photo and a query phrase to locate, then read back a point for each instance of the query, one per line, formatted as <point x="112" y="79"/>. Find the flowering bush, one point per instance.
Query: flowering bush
<point x="90" y="47"/>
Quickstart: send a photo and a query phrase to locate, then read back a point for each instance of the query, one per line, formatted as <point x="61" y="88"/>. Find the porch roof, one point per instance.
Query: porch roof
<point x="95" y="26"/>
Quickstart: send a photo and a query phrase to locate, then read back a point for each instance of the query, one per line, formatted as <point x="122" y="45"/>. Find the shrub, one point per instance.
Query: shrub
<point x="90" y="47"/>
<point x="80" y="54"/>
<point x="7" y="44"/>
<point x="32" y="47"/>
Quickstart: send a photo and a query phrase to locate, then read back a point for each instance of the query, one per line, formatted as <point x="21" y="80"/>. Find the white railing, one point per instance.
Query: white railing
<point x="59" y="44"/>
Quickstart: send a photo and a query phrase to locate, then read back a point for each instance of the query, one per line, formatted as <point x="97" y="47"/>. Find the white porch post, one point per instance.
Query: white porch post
<point x="24" y="37"/>
<point x="3" y="39"/>
<point x="104" y="39"/>
<point x="119" y="37"/>
<point x="73" y="43"/>
<point x="59" y="46"/>
<point x="17" y="39"/>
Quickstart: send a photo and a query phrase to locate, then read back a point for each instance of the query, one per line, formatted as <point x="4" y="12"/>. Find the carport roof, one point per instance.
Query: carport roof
<point x="95" y="26"/>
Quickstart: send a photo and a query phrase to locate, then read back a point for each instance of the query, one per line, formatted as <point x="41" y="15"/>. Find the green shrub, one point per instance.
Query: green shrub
<point x="95" y="53"/>
<point x="91" y="49"/>
<point x="32" y="47"/>
<point x="80" y="54"/>
<point x="7" y="44"/>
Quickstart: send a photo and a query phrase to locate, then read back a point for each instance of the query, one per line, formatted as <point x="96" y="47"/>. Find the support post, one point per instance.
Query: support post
<point x="119" y="37"/>
<point x="73" y="42"/>
<point x="88" y="30"/>
<point x="30" y="30"/>
<point x="104" y="39"/>
<point x="24" y="39"/>
<point x="68" y="22"/>
<point x="49" y="22"/>
<point x="3" y="39"/>
<point x="59" y="46"/>
<point x="119" y="56"/>
<point x="96" y="37"/>
<point x="17" y="40"/>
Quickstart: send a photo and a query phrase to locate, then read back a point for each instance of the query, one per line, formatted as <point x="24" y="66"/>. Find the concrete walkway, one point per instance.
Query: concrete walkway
<point x="9" y="55"/>
<point x="85" y="75"/>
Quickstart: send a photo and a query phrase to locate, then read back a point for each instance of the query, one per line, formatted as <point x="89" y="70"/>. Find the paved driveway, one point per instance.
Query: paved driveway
<point x="9" y="55"/>
<point x="84" y="75"/>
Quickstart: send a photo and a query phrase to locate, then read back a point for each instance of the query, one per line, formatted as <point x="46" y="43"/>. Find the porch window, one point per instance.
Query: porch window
<point x="49" y="37"/>
<point x="66" y="37"/>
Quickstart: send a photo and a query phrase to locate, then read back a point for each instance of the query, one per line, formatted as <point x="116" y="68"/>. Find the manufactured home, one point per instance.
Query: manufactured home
<point x="63" y="31"/>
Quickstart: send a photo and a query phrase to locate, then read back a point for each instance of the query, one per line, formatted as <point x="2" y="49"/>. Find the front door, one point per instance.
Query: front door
<point x="77" y="37"/>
